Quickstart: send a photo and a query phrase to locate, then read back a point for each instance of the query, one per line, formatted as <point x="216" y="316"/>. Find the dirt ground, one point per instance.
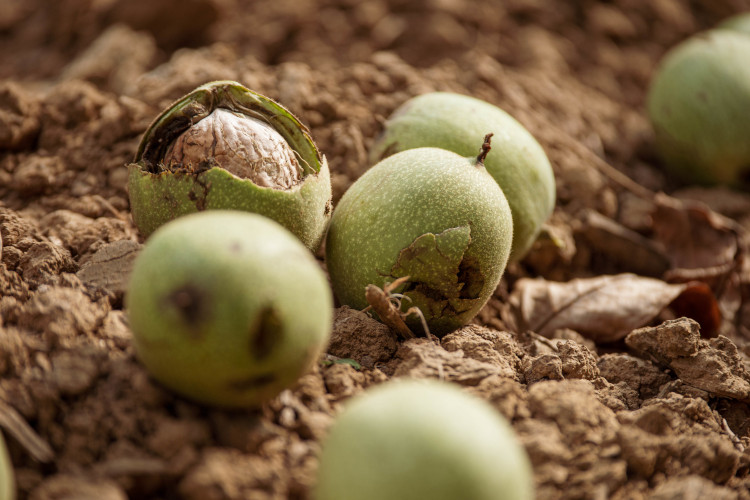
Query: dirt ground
<point x="618" y="348"/>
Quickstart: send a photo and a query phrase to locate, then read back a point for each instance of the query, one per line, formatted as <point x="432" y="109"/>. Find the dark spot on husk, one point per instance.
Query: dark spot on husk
<point x="204" y="166"/>
<point x="470" y="276"/>
<point x="267" y="334"/>
<point x="250" y="383"/>
<point x="170" y="200"/>
<point x="439" y="303"/>
<point x="191" y="303"/>
<point x="426" y="290"/>
<point x="199" y="198"/>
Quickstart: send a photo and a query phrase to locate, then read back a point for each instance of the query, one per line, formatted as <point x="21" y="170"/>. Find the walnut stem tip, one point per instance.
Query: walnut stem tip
<point x="485" y="149"/>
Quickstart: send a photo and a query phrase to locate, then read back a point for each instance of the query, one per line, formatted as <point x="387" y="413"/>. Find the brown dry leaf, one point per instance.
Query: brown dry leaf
<point x="700" y="243"/>
<point x="707" y="247"/>
<point x="726" y="201"/>
<point x="109" y="268"/>
<point x="628" y="248"/>
<point x="606" y="308"/>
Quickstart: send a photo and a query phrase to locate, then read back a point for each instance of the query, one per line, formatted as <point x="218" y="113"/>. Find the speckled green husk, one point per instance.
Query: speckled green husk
<point x="699" y="106"/>
<point x="227" y="308"/>
<point x="429" y="214"/>
<point x="158" y="195"/>
<point x="7" y="481"/>
<point x="422" y="439"/>
<point x="517" y="162"/>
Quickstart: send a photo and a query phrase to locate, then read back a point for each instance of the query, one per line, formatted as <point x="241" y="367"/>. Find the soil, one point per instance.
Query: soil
<point x="618" y="348"/>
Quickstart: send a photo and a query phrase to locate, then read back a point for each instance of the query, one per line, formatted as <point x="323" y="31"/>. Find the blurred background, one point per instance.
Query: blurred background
<point x="609" y="45"/>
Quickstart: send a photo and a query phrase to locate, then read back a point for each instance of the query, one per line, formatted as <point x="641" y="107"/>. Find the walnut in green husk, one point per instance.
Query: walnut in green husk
<point x="422" y="439"/>
<point x="427" y="215"/>
<point x="739" y="23"/>
<point x="224" y="146"/>
<point x="518" y="163"/>
<point x="699" y="106"/>
<point x="227" y="308"/>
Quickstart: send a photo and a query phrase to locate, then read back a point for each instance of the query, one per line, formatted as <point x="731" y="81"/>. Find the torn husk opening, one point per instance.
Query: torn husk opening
<point x="218" y="124"/>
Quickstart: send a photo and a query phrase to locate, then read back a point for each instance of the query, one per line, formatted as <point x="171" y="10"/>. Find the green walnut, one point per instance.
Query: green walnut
<point x="518" y="163"/>
<point x="7" y="482"/>
<point x="224" y="146"/>
<point x="227" y="308"/>
<point x="739" y="23"/>
<point x="699" y="106"/>
<point x="422" y="439"/>
<point x="432" y="216"/>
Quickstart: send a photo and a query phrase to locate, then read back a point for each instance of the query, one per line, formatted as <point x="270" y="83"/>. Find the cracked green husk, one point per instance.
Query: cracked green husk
<point x="158" y="195"/>
<point x="517" y="162"/>
<point x="227" y="308"/>
<point x="429" y="214"/>
<point x="422" y="439"/>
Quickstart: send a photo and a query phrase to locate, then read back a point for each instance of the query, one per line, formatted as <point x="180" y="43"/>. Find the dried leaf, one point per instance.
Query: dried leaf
<point x="694" y="236"/>
<point x="605" y="308"/>
<point x="697" y="302"/>
<point x="110" y="267"/>
<point x="726" y="201"/>
<point x="707" y="247"/>
<point x="630" y="250"/>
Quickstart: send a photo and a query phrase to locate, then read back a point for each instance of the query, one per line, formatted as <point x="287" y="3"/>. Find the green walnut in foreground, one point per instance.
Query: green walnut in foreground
<point x="518" y="163"/>
<point x="224" y="146"/>
<point x="7" y="481"/>
<point x="420" y="439"/>
<point x="699" y="106"/>
<point x="739" y="23"/>
<point x="428" y="214"/>
<point x="227" y="308"/>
